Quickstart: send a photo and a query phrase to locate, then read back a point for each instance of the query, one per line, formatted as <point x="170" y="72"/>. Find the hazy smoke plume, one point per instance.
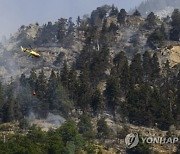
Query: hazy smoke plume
<point x="52" y="121"/>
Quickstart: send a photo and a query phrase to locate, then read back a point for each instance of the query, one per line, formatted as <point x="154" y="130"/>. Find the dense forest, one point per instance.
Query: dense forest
<point x="138" y="91"/>
<point x="139" y="88"/>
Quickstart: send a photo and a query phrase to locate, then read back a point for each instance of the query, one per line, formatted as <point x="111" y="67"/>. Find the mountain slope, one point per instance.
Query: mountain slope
<point x="110" y="72"/>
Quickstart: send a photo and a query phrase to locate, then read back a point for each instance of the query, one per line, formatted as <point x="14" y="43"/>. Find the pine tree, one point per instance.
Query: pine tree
<point x="41" y="85"/>
<point x="137" y="13"/>
<point x="85" y="127"/>
<point x="64" y="74"/>
<point x="150" y="21"/>
<point x="125" y="78"/>
<point x="73" y="83"/>
<point x="84" y="90"/>
<point x="155" y="68"/>
<point x="61" y="29"/>
<point x="141" y="106"/>
<point x="62" y="103"/>
<point x="17" y="110"/>
<point x="78" y="21"/>
<point x="151" y="18"/>
<point x="104" y="26"/>
<point x="113" y="28"/>
<point x="164" y="116"/>
<point x="58" y="96"/>
<point x="51" y="89"/>
<point x="121" y="69"/>
<point x="104" y="32"/>
<point x="147" y="66"/>
<point x="136" y="70"/>
<point x="119" y="61"/>
<point x="114" y="11"/>
<point x="68" y="131"/>
<point x="97" y="101"/>
<point x="161" y="110"/>
<point x="85" y="54"/>
<point x="122" y="16"/>
<point x="157" y="37"/>
<point x="103" y="129"/>
<point x="70" y="26"/>
<point x="8" y="112"/>
<point x="98" y="15"/>
<point x="112" y="92"/>
<point x="99" y="60"/>
<point x="175" y="31"/>
<point x="167" y="70"/>
<point x="40" y="90"/>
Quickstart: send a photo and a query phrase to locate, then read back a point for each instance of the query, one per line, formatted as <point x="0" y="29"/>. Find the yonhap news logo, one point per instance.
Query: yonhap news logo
<point x="133" y="139"/>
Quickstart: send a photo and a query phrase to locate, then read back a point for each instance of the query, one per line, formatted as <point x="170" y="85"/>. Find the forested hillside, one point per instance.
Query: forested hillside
<point x="109" y="65"/>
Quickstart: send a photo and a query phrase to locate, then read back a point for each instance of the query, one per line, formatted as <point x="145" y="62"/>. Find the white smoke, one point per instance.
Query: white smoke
<point x="32" y="116"/>
<point x="55" y="119"/>
<point x="9" y="63"/>
<point x="51" y="122"/>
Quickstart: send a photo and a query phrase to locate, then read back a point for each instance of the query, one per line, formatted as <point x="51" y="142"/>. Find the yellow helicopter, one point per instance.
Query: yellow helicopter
<point x="31" y="52"/>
